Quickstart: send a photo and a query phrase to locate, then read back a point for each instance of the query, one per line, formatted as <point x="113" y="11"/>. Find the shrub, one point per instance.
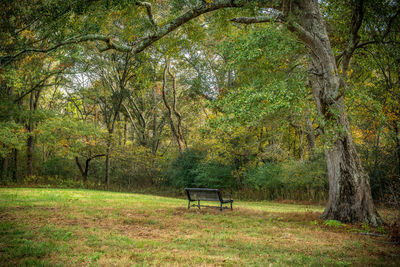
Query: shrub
<point x="58" y="166"/>
<point x="305" y="180"/>
<point x="213" y="175"/>
<point x="297" y="180"/>
<point x="266" y="176"/>
<point x="190" y="170"/>
<point x="183" y="170"/>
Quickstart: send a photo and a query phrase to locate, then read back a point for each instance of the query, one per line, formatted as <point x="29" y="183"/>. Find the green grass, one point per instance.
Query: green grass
<point x="63" y="227"/>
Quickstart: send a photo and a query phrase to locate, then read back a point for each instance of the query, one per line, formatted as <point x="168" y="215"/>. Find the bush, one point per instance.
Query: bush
<point x="189" y="170"/>
<point x="61" y="167"/>
<point x="213" y="175"/>
<point x="305" y="180"/>
<point x="266" y="176"/>
<point x="183" y="170"/>
<point x="297" y="180"/>
<point x="52" y="181"/>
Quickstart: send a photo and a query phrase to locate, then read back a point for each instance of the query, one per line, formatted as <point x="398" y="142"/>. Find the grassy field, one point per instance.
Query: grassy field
<point x="63" y="227"/>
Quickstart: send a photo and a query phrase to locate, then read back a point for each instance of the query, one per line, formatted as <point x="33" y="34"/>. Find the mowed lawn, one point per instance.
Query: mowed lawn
<point x="65" y="227"/>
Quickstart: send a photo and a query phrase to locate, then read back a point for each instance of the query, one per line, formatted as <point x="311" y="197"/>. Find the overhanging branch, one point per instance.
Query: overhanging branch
<point x="258" y="19"/>
<point x="142" y="43"/>
<point x="110" y="44"/>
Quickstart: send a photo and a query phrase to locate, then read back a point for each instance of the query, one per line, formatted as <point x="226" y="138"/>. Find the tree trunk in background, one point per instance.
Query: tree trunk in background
<point x="125" y="129"/>
<point x="310" y="136"/>
<point x="29" y="155"/>
<point x="15" y="165"/>
<point x="173" y="112"/>
<point x="4" y="170"/>
<point x="154" y="137"/>
<point x="83" y="172"/>
<point x="350" y="197"/>
<point x="33" y="103"/>
<point x="29" y="142"/>
<point x="107" y="162"/>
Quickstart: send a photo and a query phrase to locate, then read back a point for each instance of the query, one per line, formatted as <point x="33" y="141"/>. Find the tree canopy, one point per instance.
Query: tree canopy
<point x="243" y="95"/>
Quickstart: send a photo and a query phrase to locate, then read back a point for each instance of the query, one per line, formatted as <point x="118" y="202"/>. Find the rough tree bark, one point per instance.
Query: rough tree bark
<point x="350" y="197"/>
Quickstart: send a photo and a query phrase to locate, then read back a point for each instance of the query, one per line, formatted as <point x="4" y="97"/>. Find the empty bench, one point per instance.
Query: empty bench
<point x="206" y="194"/>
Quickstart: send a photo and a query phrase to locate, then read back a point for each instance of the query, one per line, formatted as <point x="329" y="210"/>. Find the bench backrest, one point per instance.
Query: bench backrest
<point x="194" y="194"/>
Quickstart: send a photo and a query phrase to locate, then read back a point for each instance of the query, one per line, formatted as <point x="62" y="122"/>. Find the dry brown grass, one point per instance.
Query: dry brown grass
<point x="122" y="235"/>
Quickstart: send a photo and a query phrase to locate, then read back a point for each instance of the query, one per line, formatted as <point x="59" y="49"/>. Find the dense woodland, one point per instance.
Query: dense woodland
<point x="271" y="100"/>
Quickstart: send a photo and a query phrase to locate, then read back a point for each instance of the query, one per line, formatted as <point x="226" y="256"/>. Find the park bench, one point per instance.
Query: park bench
<point x="206" y="194"/>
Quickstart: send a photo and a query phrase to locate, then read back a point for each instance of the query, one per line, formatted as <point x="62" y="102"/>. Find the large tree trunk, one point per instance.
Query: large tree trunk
<point x="350" y="197"/>
<point x="349" y="190"/>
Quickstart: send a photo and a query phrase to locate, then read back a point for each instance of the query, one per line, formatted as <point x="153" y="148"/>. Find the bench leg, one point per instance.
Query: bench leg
<point x="198" y="204"/>
<point x="189" y="204"/>
<point x="231" y="206"/>
<point x="220" y="208"/>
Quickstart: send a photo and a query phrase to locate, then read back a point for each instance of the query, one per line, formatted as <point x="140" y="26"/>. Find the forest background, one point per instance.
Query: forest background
<point x="216" y="103"/>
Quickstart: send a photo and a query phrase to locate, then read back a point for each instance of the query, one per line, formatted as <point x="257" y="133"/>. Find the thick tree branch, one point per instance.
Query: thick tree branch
<point x="97" y="156"/>
<point x="303" y="34"/>
<point x="259" y="19"/>
<point x="202" y="8"/>
<point x="142" y="43"/>
<point x="110" y="44"/>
